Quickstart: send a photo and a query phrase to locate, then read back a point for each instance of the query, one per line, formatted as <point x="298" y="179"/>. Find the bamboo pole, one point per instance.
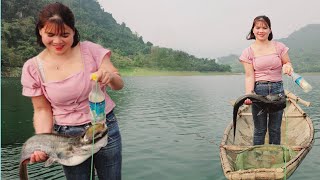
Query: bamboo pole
<point x="240" y="148"/>
<point x="296" y="98"/>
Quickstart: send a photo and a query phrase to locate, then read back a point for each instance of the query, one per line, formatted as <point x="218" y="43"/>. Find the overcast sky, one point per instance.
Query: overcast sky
<point x="209" y="28"/>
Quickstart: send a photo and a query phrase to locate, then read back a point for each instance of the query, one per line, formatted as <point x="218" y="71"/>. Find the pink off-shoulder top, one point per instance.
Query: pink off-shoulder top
<point x="68" y="97"/>
<point x="267" y="67"/>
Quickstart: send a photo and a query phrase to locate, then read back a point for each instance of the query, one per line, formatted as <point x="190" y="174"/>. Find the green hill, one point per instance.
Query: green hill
<point x="233" y="61"/>
<point x="304" y="50"/>
<point x="304" y="47"/>
<point x="129" y="49"/>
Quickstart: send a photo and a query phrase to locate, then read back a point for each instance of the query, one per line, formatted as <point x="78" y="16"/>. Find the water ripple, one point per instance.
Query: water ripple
<point x="171" y="128"/>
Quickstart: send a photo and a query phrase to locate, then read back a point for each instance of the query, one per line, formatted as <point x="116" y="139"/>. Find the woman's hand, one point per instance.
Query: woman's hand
<point x="287" y="69"/>
<point x="107" y="74"/>
<point x="38" y="156"/>
<point x="247" y="102"/>
<point x="104" y="77"/>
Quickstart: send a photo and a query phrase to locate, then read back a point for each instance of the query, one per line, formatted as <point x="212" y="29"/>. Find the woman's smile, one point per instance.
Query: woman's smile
<point x="58" y="48"/>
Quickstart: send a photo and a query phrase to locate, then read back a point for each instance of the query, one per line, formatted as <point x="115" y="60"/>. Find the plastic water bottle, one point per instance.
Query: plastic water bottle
<point x="97" y="102"/>
<point x="299" y="80"/>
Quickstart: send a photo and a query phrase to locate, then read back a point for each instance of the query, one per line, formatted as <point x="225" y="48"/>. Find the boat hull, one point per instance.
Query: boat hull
<point x="294" y="122"/>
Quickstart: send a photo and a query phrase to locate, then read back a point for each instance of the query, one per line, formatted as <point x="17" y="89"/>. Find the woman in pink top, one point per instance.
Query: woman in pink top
<point x="263" y="62"/>
<point x="58" y="82"/>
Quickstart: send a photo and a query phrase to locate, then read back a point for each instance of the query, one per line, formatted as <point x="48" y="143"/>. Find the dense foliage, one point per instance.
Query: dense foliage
<point x="304" y="47"/>
<point x="129" y="49"/>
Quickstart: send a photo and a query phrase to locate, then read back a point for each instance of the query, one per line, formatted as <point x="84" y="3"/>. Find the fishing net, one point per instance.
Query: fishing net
<point x="264" y="156"/>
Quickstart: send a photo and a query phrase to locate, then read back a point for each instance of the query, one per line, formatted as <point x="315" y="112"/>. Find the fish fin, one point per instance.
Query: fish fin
<point x="239" y="102"/>
<point x="23" y="171"/>
<point x="261" y="112"/>
<point x="49" y="162"/>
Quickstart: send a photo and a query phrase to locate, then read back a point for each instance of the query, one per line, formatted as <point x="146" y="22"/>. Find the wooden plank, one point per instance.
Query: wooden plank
<point x="291" y="115"/>
<point x="241" y="148"/>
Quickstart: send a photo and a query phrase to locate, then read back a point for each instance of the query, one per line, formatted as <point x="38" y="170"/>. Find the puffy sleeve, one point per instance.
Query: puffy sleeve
<point x="30" y="80"/>
<point x="281" y="48"/>
<point x="98" y="52"/>
<point x="246" y="56"/>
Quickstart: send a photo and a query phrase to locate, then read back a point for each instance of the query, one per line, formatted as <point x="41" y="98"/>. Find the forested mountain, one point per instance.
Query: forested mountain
<point x="304" y="47"/>
<point x="304" y="50"/>
<point x="233" y="61"/>
<point x="18" y="43"/>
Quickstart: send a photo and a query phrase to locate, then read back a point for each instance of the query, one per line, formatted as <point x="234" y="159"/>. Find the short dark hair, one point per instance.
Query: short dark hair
<point x="264" y="19"/>
<point x="57" y="14"/>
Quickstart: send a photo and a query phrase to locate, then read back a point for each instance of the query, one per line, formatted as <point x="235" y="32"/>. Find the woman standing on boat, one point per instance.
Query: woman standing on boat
<point x="58" y="82"/>
<point x="263" y="61"/>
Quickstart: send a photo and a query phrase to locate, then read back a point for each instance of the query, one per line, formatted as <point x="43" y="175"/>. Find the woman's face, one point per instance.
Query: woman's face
<point x="261" y="31"/>
<point x="56" y="40"/>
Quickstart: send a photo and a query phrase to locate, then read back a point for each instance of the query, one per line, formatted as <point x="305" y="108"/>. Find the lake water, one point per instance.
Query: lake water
<point x="171" y="127"/>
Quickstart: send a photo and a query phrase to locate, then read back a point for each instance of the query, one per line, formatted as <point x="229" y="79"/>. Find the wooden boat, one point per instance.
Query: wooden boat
<point x="297" y="134"/>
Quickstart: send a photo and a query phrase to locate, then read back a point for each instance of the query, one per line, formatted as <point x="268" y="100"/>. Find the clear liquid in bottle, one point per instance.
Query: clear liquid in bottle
<point x="97" y="102"/>
<point x="300" y="81"/>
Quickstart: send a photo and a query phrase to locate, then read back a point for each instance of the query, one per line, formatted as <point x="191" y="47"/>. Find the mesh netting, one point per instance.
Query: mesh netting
<point x="264" y="156"/>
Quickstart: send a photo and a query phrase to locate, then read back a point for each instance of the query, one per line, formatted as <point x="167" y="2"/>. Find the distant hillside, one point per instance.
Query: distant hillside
<point x="233" y="61"/>
<point x="130" y="51"/>
<point x="304" y="50"/>
<point x="304" y="47"/>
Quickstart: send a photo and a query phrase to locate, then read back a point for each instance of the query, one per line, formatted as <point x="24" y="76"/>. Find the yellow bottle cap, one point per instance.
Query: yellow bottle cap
<point x="94" y="77"/>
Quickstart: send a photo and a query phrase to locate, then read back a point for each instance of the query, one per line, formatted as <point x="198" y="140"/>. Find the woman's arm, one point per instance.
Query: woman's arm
<point x="43" y="123"/>
<point x="42" y="117"/>
<point x="249" y="77"/>
<point x="109" y="75"/>
<point x="249" y="80"/>
<point x="286" y="64"/>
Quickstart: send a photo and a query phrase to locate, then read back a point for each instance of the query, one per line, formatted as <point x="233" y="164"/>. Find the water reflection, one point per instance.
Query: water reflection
<point x="171" y="127"/>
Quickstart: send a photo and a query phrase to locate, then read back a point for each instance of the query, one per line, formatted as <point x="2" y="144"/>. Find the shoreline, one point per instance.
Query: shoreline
<point x="156" y="72"/>
<point x="9" y="72"/>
